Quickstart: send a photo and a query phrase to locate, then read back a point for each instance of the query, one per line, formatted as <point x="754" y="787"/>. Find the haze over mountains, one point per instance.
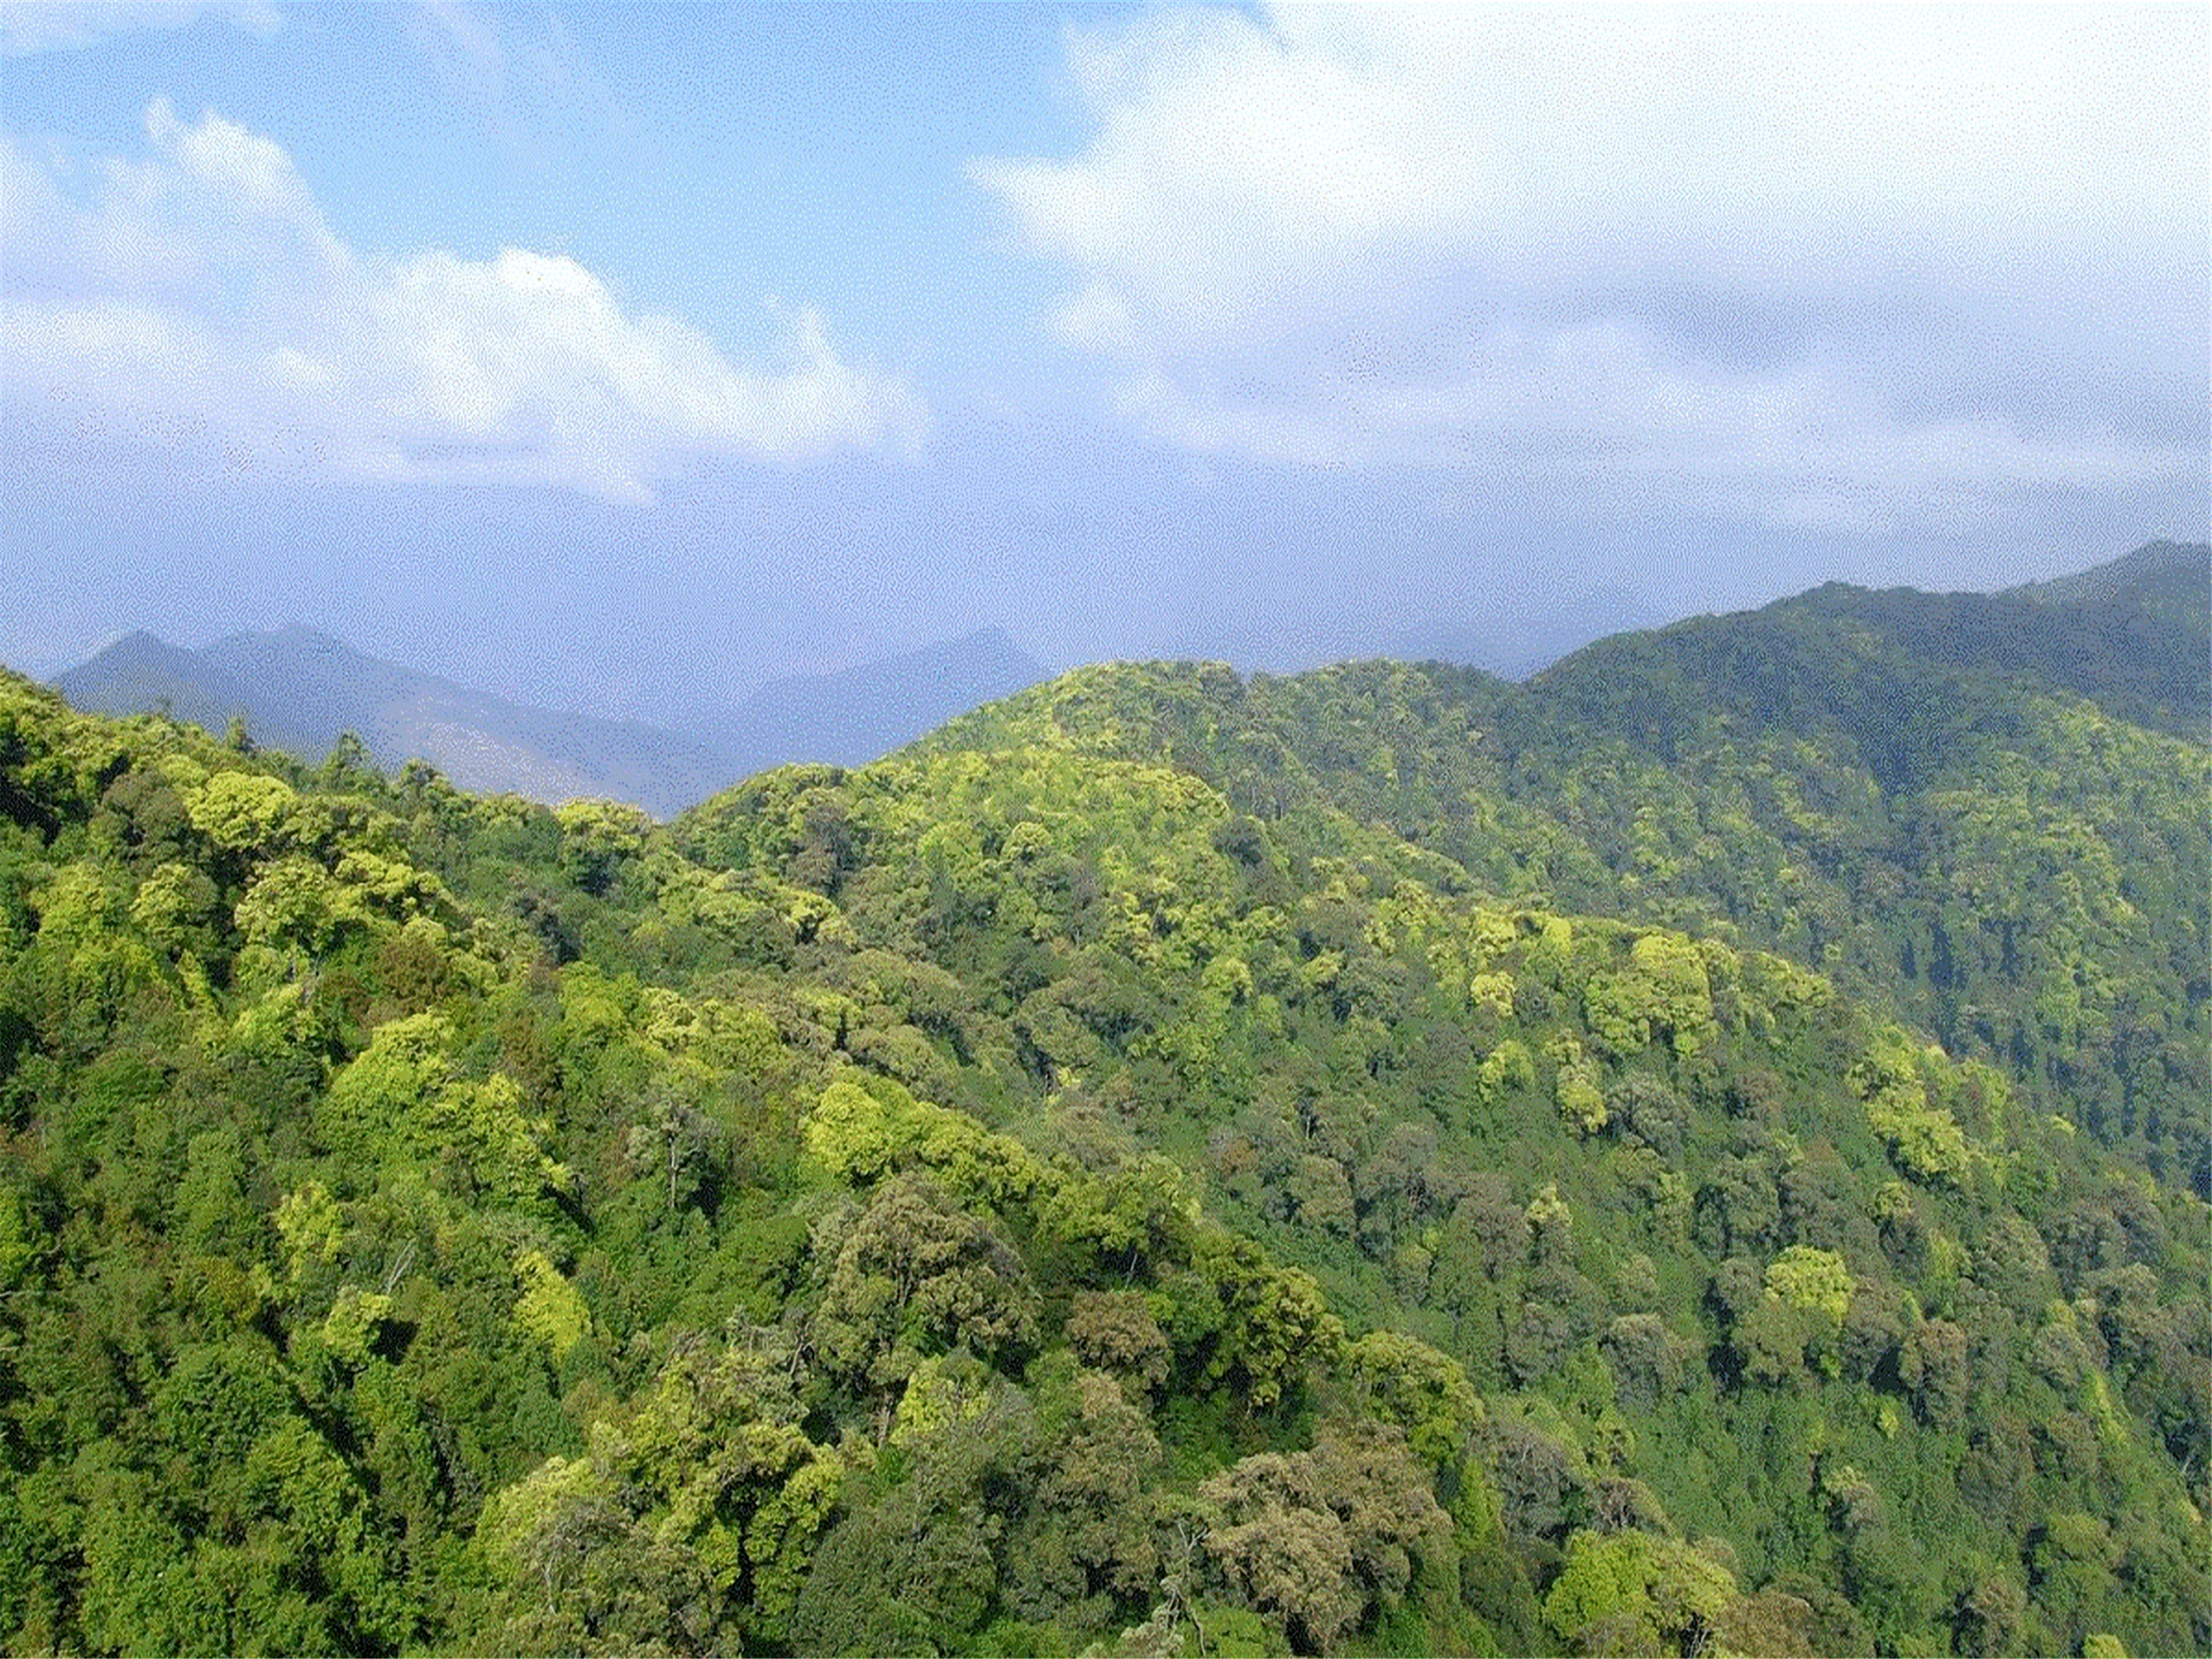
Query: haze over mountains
<point x="857" y="714"/>
<point x="299" y="690"/>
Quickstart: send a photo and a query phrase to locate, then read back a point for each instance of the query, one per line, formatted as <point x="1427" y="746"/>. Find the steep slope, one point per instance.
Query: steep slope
<point x="369" y="1279"/>
<point x="1011" y="1199"/>
<point x="2161" y="575"/>
<point x="1928" y="797"/>
<point x="1485" y="1126"/>
<point x="2134" y="637"/>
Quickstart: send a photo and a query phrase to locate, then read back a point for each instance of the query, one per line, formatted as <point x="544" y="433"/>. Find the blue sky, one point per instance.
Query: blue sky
<point x="617" y="356"/>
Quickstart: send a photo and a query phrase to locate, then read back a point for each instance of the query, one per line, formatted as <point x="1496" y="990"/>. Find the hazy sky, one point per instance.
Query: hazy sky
<point x="617" y="356"/>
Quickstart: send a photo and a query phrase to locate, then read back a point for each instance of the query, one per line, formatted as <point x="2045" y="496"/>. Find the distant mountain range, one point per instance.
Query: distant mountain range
<point x="300" y="690"/>
<point x="858" y="715"/>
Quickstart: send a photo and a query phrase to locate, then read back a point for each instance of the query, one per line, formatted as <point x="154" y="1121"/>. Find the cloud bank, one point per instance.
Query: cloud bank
<point x="1847" y="270"/>
<point x="199" y="297"/>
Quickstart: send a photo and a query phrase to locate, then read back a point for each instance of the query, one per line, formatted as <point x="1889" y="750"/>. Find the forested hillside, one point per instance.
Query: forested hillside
<point x="1379" y="1162"/>
<point x="1984" y="813"/>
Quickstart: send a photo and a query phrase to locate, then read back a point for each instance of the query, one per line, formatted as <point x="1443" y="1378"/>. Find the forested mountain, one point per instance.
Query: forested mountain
<point x="1983" y="812"/>
<point x="2163" y="578"/>
<point x="1383" y="1161"/>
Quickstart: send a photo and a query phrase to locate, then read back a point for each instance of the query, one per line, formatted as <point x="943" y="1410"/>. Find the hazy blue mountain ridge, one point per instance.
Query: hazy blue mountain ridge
<point x="2132" y="635"/>
<point x="141" y="673"/>
<point x="299" y="690"/>
<point x="854" y="715"/>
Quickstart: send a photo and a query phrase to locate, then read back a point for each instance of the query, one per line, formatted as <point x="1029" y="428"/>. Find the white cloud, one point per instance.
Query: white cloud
<point x="1733" y="246"/>
<point x="30" y="26"/>
<point x="201" y="291"/>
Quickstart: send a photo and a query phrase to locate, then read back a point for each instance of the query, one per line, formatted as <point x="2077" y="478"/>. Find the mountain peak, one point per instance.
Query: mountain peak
<point x="299" y="689"/>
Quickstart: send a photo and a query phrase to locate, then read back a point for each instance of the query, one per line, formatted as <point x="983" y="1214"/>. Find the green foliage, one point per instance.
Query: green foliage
<point x="1090" y="1183"/>
<point x="1321" y="1539"/>
<point x="1628" y="1592"/>
<point x="1924" y="1138"/>
<point x="1661" y="992"/>
<point x="1812" y="1281"/>
<point x="1405" y="1381"/>
<point x="1986" y="824"/>
<point x="550" y="1309"/>
<point x="912" y="1278"/>
<point x="863" y="1132"/>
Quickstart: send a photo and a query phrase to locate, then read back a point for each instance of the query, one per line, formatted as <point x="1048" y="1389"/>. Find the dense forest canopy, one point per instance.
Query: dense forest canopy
<point x="1704" y="1153"/>
<point x="1983" y="812"/>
